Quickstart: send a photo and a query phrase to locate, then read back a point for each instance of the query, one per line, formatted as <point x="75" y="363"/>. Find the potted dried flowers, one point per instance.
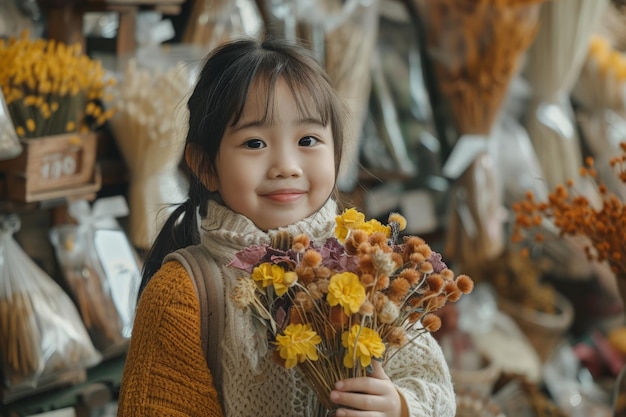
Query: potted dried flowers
<point x="332" y="309"/>
<point x="53" y="94"/>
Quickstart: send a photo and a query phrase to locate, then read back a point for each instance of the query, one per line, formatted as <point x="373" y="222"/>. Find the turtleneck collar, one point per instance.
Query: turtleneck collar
<point x="225" y="232"/>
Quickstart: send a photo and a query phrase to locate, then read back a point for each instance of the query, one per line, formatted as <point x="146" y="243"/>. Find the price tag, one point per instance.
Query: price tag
<point x="61" y="164"/>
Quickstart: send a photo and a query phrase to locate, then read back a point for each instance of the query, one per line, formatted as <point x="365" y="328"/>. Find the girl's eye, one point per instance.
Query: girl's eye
<point x="254" y="144"/>
<point x="308" y="141"/>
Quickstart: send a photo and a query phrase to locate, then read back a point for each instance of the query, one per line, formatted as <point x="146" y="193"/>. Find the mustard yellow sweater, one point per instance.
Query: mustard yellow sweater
<point x="165" y="372"/>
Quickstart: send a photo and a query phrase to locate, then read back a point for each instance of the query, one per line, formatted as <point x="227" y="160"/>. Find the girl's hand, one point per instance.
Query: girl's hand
<point x="371" y="396"/>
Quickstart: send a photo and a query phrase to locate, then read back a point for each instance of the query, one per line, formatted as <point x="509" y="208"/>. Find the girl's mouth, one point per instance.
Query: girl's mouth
<point x="284" y="196"/>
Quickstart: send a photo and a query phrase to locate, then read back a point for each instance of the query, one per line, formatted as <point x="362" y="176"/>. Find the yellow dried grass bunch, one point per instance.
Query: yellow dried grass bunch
<point x="51" y="88"/>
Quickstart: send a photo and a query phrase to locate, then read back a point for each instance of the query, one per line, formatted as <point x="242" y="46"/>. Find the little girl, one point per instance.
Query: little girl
<point x="266" y="131"/>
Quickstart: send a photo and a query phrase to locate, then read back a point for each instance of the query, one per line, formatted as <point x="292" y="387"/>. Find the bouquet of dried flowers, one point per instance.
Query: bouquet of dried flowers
<point x="601" y="224"/>
<point x="330" y="310"/>
<point x="51" y="88"/>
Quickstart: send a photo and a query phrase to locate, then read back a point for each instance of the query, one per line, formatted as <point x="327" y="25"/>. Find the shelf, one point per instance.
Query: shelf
<point x="100" y="385"/>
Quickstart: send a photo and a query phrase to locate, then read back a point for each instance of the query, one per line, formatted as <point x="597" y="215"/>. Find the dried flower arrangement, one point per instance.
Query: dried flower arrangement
<point x="602" y="224"/>
<point x="474" y="49"/>
<point x="332" y="309"/>
<point x="51" y="88"/>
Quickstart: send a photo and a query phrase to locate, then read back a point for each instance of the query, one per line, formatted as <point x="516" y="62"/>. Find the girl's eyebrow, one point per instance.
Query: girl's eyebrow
<point x="259" y="123"/>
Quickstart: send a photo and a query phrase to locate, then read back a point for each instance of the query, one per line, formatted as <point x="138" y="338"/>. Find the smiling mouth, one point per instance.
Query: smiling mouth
<point x="284" y="196"/>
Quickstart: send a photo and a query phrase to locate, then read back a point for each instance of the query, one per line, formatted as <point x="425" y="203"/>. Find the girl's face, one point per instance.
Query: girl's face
<point x="274" y="170"/>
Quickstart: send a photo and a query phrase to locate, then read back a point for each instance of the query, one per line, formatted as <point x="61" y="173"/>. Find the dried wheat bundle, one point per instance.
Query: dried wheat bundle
<point x="554" y="64"/>
<point x="21" y="354"/>
<point x="41" y="333"/>
<point x="87" y="283"/>
<point x="149" y="129"/>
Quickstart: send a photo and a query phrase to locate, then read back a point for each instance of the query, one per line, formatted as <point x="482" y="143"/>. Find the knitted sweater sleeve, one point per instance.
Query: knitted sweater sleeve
<point x="165" y="371"/>
<point x="421" y="374"/>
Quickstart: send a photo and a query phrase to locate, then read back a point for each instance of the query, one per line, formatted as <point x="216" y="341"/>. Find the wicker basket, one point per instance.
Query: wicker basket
<point x="544" y="331"/>
<point x="479" y="381"/>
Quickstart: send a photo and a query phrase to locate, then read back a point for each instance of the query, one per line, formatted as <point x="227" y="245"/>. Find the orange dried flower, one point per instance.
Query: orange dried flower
<point x="378" y="239"/>
<point x="431" y="322"/>
<point x="367" y="280"/>
<point x="398" y="289"/>
<point x="447" y="274"/>
<point x="382" y="282"/>
<point x="355" y="239"/>
<point x="426" y="268"/>
<point x="574" y="215"/>
<point x="435" y="282"/>
<point x="414" y="317"/>
<point x="304" y="301"/>
<point x="302" y="240"/>
<point x="311" y="258"/>
<point x="411" y="275"/>
<point x="396" y="337"/>
<point x="416" y="258"/>
<point x="322" y="273"/>
<point x="464" y="284"/>
<point x="305" y="274"/>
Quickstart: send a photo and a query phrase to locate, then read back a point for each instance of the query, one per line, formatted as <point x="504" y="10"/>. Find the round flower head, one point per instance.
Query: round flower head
<point x="399" y="219"/>
<point x="300" y="243"/>
<point x="311" y="258"/>
<point x="431" y="322"/>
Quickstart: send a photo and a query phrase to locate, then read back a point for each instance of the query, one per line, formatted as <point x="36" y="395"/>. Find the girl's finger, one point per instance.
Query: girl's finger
<point x="378" y="371"/>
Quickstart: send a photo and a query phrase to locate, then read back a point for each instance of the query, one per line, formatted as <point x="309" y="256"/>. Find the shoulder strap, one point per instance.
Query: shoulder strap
<point x="207" y="280"/>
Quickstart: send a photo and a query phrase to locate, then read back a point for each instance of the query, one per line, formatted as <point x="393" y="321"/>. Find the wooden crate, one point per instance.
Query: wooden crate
<point x="51" y="167"/>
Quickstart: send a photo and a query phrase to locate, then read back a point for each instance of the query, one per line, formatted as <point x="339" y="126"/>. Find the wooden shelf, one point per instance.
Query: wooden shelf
<point x="65" y="18"/>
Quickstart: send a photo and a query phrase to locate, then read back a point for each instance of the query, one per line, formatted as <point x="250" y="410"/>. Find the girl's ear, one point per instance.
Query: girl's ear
<point x="197" y="160"/>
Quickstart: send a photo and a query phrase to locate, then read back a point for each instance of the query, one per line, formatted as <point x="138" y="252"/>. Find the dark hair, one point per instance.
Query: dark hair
<point x="218" y="100"/>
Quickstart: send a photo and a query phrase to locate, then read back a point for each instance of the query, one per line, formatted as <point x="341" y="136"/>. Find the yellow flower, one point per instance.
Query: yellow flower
<point x="350" y="219"/>
<point x="298" y="344"/>
<point x="363" y="344"/>
<point x="282" y="282"/>
<point x="266" y="274"/>
<point x="270" y="274"/>
<point x="373" y="226"/>
<point x="346" y="289"/>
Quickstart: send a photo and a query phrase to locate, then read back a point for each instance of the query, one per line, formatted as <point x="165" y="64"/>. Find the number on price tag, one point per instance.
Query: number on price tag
<point x="57" y="165"/>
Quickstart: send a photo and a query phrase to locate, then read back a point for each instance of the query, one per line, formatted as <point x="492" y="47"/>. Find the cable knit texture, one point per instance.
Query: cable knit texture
<point x="253" y="385"/>
<point x="165" y="372"/>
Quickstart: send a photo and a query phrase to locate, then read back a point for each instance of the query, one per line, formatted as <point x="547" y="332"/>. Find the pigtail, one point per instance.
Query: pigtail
<point x="179" y="231"/>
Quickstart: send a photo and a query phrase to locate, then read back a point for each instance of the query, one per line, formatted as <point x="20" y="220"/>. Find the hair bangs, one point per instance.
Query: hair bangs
<point x="313" y="98"/>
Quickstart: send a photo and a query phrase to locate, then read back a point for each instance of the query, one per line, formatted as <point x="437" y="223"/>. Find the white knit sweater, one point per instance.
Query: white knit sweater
<point x="254" y="385"/>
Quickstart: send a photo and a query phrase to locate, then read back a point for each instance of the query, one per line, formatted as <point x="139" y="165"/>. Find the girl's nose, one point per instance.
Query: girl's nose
<point x="284" y="165"/>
